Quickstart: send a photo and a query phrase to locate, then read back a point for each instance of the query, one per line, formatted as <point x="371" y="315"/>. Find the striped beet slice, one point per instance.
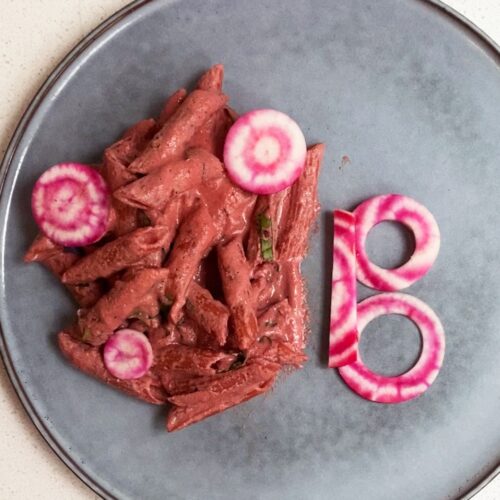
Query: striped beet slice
<point x="395" y="207"/>
<point x="343" y="328"/>
<point x="417" y="380"/>
<point x="128" y="354"/>
<point x="71" y="203"/>
<point x="264" y="151"/>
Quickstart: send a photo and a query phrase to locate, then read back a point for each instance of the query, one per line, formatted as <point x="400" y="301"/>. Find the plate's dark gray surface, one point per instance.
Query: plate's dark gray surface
<point x="412" y="97"/>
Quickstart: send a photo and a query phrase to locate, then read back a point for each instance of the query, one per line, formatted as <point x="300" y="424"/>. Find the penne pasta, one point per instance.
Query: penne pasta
<point x="57" y="260"/>
<point x="88" y="359"/>
<point x="154" y="190"/>
<point x="190" y="292"/>
<point x="171" y="140"/>
<point x="119" y="254"/>
<point x="303" y="208"/>
<point x="217" y="393"/>
<point x="195" y="237"/>
<point x="212" y="78"/>
<point x="98" y="323"/>
<point x="211" y="315"/>
<point x="191" y="360"/>
<point x="235" y="275"/>
<point x="170" y="107"/>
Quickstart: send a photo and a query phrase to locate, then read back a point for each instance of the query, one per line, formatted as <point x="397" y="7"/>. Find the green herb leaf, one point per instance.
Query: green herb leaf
<point x="267" y="255"/>
<point x="263" y="222"/>
<point x="264" y="225"/>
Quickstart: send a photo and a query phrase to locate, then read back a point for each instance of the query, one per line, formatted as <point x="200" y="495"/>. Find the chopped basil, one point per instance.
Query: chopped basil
<point x="264" y="226"/>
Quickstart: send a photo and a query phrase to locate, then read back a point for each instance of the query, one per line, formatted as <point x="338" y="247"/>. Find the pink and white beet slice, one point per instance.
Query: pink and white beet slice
<point x="395" y="207"/>
<point x="128" y="354"/>
<point x="265" y="151"/>
<point x="343" y="313"/>
<point x="70" y="204"/>
<point x="417" y="380"/>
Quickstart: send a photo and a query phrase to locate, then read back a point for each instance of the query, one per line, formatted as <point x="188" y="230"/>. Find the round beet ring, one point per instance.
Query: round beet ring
<point x="415" y="381"/>
<point x="407" y="211"/>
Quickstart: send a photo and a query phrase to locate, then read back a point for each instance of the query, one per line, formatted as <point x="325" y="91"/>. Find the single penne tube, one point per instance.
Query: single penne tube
<point x="116" y="159"/>
<point x="220" y="392"/>
<point x="119" y="254"/>
<point x="54" y="257"/>
<point x="195" y="237"/>
<point x="154" y="190"/>
<point x="235" y="275"/>
<point x="170" y="107"/>
<point x="98" y="323"/>
<point x="171" y="140"/>
<point x="57" y="259"/>
<point x="89" y="360"/>
<point x="212" y="134"/>
<point x="133" y="141"/>
<point x="210" y="314"/>
<point x="190" y="360"/>
<point x="212" y="78"/>
<point x="303" y="208"/>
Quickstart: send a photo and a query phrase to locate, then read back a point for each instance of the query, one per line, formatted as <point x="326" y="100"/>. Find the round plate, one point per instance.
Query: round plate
<point x="405" y="96"/>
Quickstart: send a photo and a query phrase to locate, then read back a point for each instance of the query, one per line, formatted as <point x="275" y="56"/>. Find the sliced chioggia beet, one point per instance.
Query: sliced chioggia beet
<point x="71" y="203"/>
<point x="417" y="380"/>
<point x="343" y="319"/>
<point x="395" y="207"/>
<point x="265" y="151"/>
<point x="128" y="354"/>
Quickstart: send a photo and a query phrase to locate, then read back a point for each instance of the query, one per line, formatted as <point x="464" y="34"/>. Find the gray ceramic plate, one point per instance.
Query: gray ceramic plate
<point x="410" y="94"/>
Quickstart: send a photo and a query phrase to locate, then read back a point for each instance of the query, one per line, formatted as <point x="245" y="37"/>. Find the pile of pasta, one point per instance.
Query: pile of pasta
<point x="209" y="273"/>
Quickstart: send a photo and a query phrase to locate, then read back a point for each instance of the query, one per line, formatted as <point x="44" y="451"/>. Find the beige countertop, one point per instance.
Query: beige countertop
<point x="34" y="36"/>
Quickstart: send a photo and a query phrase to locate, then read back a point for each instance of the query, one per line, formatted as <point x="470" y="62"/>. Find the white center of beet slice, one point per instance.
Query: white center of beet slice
<point x="128" y="354"/>
<point x="267" y="150"/>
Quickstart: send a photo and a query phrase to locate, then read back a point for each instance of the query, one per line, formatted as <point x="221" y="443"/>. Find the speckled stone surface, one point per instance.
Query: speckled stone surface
<point x="413" y="103"/>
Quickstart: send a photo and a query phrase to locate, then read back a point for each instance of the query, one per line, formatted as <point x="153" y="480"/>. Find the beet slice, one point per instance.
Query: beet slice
<point x="71" y="204"/>
<point x="415" y="381"/>
<point x="265" y="151"/>
<point x="343" y="318"/>
<point x="418" y="219"/>
<point x="128" y="354"/>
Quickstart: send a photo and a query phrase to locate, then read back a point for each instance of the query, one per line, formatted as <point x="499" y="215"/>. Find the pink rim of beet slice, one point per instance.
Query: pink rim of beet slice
<point x="128" y="354"/>
<point x="70" y="203"/>
<point x="265" y="151"/>
<point x="343" y="314"/>
<point x="415" y="381"/>
<point x="395" y="207"/>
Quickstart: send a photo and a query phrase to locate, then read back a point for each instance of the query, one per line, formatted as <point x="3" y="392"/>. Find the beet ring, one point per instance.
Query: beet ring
<point x="394" y="207"/>
<point x="415" y="381"/>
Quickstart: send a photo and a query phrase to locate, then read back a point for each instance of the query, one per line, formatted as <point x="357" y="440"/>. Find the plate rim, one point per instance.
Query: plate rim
<point x="484" y="40"/>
